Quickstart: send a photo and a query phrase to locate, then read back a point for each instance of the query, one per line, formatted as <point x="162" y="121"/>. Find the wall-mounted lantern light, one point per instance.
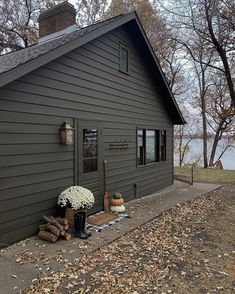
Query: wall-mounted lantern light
<point x="66" y="134"/>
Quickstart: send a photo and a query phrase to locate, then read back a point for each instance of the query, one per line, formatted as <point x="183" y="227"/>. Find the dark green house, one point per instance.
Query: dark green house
<point x="106" y="82"/>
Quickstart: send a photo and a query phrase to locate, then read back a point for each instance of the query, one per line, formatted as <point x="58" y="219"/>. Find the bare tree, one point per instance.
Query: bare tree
<point x="90" y="11"/>
<point x="19" y="23"/>
<point x="221" y="115"/>
<point x="212" y="21"/>
<point x="200" y="60"/>
<point x="201" y="74"/>
<point x="167" y="50"/>
<point x="185" y="134"/>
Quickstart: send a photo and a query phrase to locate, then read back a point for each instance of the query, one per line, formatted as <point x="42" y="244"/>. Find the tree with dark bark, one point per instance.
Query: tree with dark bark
<point x="221" y="116"/>
<point x="90" y="11"/>
<point x="161" y="38"/>
<point x="200" y="60"/>
<point x="213" y="21"/>
<point x="184" y="135"/>
<point x="19" y="23"/>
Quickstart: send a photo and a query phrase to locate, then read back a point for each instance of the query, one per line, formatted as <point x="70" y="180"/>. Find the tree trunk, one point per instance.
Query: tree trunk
<point x="222" y="53"/>
<point x="180" y="146"/>
<point x="205" y="137"/>
<point x="215" y="144"/>
<point x="204" y="122"/>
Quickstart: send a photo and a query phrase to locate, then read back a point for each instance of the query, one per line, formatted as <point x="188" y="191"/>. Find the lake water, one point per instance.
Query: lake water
<point x="195" y="153"/>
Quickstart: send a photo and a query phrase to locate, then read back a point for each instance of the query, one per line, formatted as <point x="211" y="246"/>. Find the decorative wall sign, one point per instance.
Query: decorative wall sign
<point x="119" y="145"/>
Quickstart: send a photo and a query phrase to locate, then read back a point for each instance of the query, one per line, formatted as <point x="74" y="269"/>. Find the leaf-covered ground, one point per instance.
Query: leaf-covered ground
<point x="189" y="249"/>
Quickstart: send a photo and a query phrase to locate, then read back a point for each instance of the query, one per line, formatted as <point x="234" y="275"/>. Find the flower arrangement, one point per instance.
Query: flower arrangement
<point x="76" y="196"/>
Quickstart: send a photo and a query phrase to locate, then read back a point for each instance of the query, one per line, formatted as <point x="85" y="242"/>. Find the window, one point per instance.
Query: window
<point x="140" y="147"/>
<point x="151" y="146"/>
<point x="162" y="145"/>
<point x="90" y="150"/>
<point x="124" y="56"/>
<point x="151" y="154"/>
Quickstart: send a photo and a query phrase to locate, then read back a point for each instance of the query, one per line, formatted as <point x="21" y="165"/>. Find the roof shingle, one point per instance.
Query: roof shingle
<point x="14" y="59"/>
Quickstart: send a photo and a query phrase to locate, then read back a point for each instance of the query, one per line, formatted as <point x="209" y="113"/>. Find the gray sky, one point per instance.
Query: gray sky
<point x="72" y="1"/>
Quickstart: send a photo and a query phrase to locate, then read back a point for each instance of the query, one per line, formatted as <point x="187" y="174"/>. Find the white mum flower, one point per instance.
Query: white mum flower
<point x="77" y="197"/>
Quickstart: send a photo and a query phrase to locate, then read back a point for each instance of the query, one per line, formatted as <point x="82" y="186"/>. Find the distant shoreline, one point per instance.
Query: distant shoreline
<point x="195" y="153"/>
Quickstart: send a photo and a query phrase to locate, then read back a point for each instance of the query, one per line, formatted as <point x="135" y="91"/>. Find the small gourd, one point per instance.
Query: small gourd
<point x="117" y="199"/>
<point x="117" y="209"/>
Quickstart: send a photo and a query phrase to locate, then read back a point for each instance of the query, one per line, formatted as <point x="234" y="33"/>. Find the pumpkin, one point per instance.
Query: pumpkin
<point x="117" y="202"/>
<point x="117" y="209"/>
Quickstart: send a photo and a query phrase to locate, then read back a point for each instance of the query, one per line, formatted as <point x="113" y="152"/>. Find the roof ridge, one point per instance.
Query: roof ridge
<point x="67" y="35"/>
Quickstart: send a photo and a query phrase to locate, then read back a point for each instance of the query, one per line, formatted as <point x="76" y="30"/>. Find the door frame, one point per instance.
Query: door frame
<point x="77" y="157"/>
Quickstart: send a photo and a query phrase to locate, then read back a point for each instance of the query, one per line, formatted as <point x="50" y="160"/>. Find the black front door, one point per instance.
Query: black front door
<point x="90" y="160"/>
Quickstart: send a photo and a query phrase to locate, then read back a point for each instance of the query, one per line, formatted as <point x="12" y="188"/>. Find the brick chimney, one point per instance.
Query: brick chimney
<point x="56" y="19"/>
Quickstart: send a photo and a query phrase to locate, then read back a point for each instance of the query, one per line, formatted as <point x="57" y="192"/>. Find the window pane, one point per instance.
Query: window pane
<point x="140" y="155"/>
<point x="90" y="150"/>
<point x="150" y="146"/>
<point x="163" y="146"/>
<point x="140" y="147"/>
<point x="140" y="138"/>
<point x="90" y="143"/>
<point x="123" y="59"/>
<point x="90" y="165"/>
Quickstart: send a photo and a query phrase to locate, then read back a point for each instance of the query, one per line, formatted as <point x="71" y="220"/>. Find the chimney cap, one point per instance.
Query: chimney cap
<point x="61" y="7"/>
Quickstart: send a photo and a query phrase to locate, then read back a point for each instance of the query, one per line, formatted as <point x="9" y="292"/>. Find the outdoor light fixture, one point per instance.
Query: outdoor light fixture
<point x="66" y="134"/>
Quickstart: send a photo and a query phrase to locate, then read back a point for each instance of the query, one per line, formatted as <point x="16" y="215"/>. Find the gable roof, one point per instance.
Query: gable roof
<point x="16" y="64"/>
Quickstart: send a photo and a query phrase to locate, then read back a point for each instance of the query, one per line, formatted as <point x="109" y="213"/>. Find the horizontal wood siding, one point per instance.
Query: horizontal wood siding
<point x="85" y="83"/>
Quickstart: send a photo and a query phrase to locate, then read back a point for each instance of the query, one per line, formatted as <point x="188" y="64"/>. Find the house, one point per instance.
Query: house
<point x="104" y="81"/>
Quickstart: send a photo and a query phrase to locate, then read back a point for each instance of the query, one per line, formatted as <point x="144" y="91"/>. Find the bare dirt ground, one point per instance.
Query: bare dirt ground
<point x="188" y="249"/>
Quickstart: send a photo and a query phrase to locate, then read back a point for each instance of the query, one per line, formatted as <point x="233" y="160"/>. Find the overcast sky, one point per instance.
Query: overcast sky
<point x="72" y="2"/>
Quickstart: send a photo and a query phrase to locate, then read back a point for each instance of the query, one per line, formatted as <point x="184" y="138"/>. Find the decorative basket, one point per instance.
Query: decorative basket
<point x="69" y="214"/>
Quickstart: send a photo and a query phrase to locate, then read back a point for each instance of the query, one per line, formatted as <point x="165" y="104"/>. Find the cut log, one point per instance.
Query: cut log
<point x="70" y="230"/>
<point x="51" y="228"/>
<point x="66" y="227"/>
<point x="62" y="233"/>
<point x="52" y="221"/>
<point x="47" y="236"/>
<point x="67" y="236"/>
<point x="62" y="221"/>
<point x="43" y="227"/>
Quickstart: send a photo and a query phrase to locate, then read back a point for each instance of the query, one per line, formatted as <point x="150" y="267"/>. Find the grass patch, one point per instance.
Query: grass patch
<point x="207" y="175"/>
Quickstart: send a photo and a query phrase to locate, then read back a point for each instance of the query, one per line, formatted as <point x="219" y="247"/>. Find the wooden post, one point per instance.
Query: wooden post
<point x="192" y="175"/>
<point x="106" y="195"/>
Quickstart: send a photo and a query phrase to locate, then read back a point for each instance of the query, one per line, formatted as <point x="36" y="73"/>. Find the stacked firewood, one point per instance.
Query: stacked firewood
<point x="54" y="228"/>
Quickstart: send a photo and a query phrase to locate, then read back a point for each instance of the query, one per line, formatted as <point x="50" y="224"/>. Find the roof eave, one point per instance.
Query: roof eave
<point x="43" y="59"/>
<point x="47" y="57"/>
